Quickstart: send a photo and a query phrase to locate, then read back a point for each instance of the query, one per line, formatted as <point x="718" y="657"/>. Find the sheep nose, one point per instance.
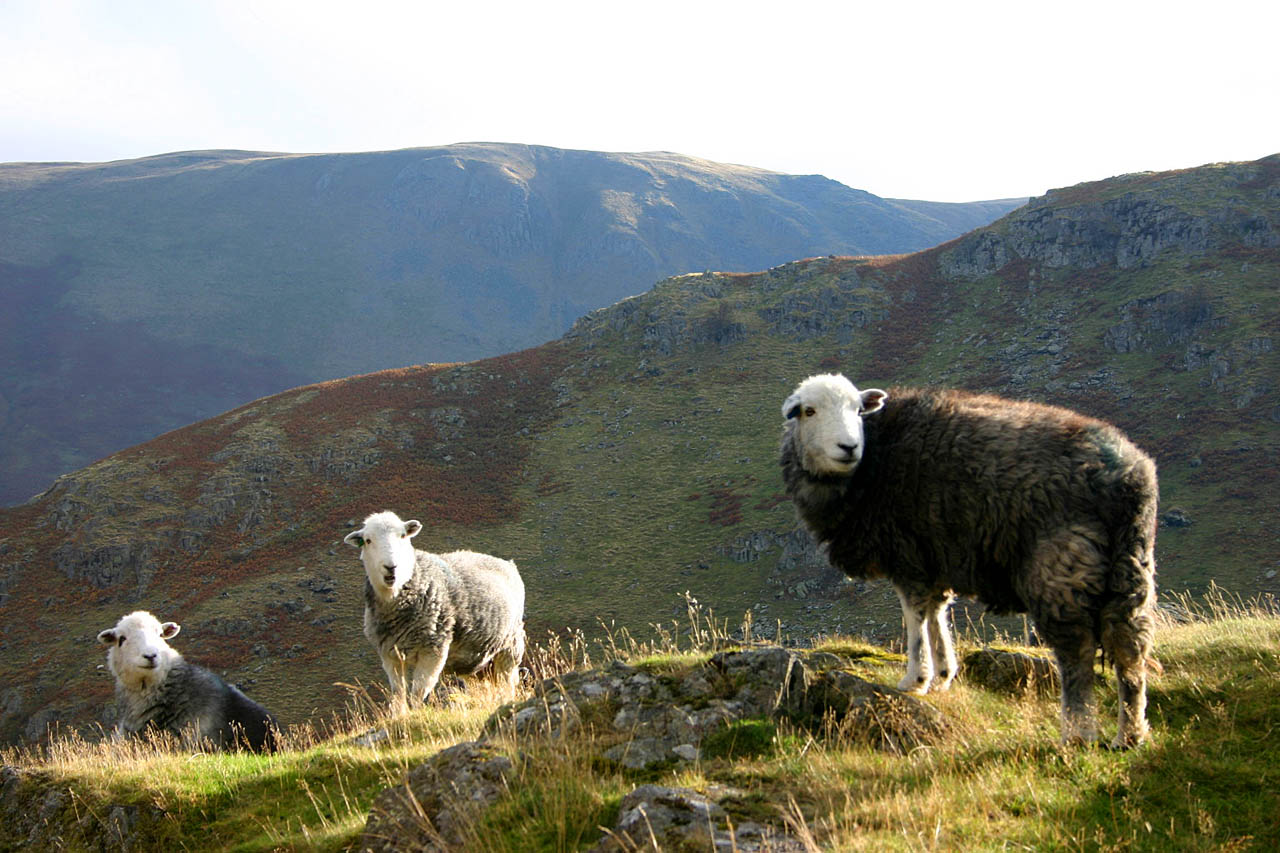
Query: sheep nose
<point x="151" y="657"/>
<point x="391" y="567"/>
<point x="848" y="448"/>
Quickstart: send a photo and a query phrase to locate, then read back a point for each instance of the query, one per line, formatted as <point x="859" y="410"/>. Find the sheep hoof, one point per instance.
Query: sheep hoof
<point x="1079" y="738"/>
<point x="371" y="737"/>
<point x="1130" y="741"/>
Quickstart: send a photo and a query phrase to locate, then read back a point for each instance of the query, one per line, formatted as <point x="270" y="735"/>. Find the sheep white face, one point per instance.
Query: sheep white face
<point x="137" y="652"/>
<point x="826" y="412"/>
<point x="386" y="549"/>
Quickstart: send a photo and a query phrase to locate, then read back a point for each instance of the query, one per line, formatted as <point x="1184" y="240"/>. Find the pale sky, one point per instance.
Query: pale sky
<point x="947" y="101"/>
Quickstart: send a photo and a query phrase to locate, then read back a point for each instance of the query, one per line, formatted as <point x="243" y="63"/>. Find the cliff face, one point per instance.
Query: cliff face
<point x="635" y="458"/>
<point x="1130" y="225"/>
<point x="144" y="295"/>
<point x="1182" y="262"/>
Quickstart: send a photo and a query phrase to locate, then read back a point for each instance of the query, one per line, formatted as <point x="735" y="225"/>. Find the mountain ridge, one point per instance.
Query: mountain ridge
<point x="238" y="274"/>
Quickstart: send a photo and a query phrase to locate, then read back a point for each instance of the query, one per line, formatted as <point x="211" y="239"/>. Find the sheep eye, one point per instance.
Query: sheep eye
<point x="809" y="411"/>
<point x="120" y="641"/>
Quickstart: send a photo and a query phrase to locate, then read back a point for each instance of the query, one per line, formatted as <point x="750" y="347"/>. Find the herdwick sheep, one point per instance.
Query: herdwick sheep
<point x="1028" y="508"/>
<point x="159" y="690"/>
<point x="427" y="614"/>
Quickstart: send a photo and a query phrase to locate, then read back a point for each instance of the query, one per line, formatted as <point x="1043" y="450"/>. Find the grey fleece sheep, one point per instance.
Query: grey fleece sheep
<point x="1028" y="508"/>
<point x="427" y="614"/>
<point x="159" y="690"/>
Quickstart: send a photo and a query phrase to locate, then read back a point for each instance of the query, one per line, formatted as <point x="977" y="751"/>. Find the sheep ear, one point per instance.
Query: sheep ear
<point x="355" y="538"/>
<point x="791" y="408"/>
<point x="873" y="400"/>
<point x="107" y="637"/>
<point x="169" y="630"/>
<point x="412" y="527"/>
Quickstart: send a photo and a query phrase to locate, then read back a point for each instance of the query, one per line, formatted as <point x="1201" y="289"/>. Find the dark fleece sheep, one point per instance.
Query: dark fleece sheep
<point x="427" y="614"/>
<point x="159" y="690"/>
<point x="1028" y="508"/>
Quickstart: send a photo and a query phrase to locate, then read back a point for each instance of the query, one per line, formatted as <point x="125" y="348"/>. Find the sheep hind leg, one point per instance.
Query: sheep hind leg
<point x="506" y="663"/>
<point x="1075" y="655"/>
<point x="506" y="671"/>
<point x="1128" y="629"/>
<point x="1127" y="641"/>
<point x="915" y="612"/>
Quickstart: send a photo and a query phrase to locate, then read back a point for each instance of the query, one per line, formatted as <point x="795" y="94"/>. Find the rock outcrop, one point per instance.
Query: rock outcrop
<point x="1013" y="673"/>
<point x="656" y="817"/>
<point x="639" y="718"/>
<point x="38" y="814"/>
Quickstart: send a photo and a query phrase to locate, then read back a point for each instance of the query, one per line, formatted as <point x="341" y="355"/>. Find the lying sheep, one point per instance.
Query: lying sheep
<point x="1028" y="508"/>
<point x="156" y="689"/>
<point x="427" y="614"/>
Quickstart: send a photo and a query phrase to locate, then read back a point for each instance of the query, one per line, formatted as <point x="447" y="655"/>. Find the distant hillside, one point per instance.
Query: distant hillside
<point x="144" y="295"/>
<point x="635" y="458"/>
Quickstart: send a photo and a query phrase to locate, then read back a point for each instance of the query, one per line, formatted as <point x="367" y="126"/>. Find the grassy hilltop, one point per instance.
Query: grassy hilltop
<point x="998" y="780"/>
<point x="635" y="458"/>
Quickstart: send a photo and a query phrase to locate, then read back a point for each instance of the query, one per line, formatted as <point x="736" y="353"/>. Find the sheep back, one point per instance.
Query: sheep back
<point x="960" y="490"/>
<point x="475" y="601"/>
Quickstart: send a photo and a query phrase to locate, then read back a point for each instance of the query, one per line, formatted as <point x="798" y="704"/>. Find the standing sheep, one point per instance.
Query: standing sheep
<point x="1028" y="508"/>
<point x="427" y="614"/>
<point x="157" y="689"/>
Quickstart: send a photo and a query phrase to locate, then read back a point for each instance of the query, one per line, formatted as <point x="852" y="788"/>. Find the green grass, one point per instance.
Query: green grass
<point x="1208" y="780"/>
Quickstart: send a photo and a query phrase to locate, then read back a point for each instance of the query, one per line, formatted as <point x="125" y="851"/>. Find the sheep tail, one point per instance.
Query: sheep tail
<point x="1127" y="616"/>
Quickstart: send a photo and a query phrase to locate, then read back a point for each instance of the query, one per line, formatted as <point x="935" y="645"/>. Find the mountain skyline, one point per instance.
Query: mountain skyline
<point x="152" y="293"/>
<point x="947" y="102"/>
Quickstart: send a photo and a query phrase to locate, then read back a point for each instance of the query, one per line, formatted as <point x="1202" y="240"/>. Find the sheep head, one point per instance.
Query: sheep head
<point x="386" y="549"/>
<point x="137" y="653"/>
<point x="824" y="416"/>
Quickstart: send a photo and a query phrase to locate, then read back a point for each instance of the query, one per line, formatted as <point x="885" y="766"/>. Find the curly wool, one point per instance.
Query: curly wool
<point x="1027" y="507"/>
<point x="463" y="596"/>
<point x="157" y="689"/>
<point x="191" y="699"/>
<point x="961" y="489"/>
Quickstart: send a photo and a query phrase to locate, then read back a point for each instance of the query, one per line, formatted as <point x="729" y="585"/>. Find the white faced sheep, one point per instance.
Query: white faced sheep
<point x="1028" y="508"/>
<point x="427" y="614"/>
<point x="157" y="689"/>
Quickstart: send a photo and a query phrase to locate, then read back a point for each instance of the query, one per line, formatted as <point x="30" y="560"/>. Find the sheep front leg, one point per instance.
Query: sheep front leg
<point x="394" y="665"/>
<point x="427" y="669"/>
<point x="944" y="650"/>
<point x="919" y="655"/>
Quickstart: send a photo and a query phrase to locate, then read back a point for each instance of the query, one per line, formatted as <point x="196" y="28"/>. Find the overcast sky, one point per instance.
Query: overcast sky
<point x="949" y="101"/>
